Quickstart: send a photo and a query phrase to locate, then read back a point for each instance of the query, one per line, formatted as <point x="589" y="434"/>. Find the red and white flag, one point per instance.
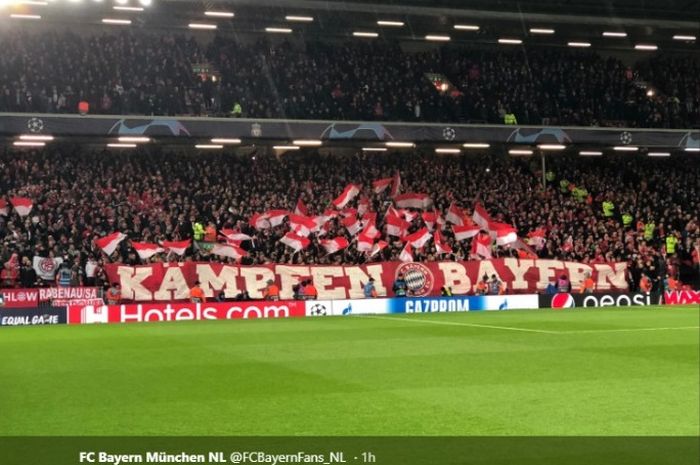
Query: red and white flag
<point x="145" y="249"/>
<point x="330" y="213"/>
<point x="481" y="246"/>
<point x="364" y="243"/>
<point x="406" y="255"/>
<point x="465" y="232"/>
<point x="345" y="212"/>
<point x="276" y="217"/>
<point x="349" y="193"/>
<point x="378" y="247"/>
<point x="177" y="247"/>
<point x="536" y="238"/>
<point x="370" y="228"/>
<point x="302" y="225"/>
<point x="408" y="215"/>
<point x="380" y="185"/>
<point x="481" y="216"/>
<point x="259" y="221"/>
<point x="4" y="209"/>
<point x="22" y="205"/>
<point x="301" y="209"/>
<point x="455" y="215"/>
<point x="363" y="206"/>
<point x="352" y="224"/>
<point x="237" y="236"/>
<point x="295" y="241"/>
<point x="109" y="243"/>
<point x="334" y="245"/>
<point x="440" y="245"/>
<point x="413" y="200"/>
<point x="227" y="250"/>
<point x="506" y="235"/>
<point x="396" y="184"/>
<point x="430" y="218"/>
<point x="395" y="226"/>
<point x="419" y="238"/>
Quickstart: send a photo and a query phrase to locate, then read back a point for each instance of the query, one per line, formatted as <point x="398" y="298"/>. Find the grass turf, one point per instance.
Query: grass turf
<point x="580" y="372"/>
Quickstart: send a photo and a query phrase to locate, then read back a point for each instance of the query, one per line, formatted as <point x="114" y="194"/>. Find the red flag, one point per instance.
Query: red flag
<point x="408" y="215"/>
<point x="109" y="243"/>
<point x="506" y="235"/>
<point x="419" y="238"/>
<point x="146" y="250"/>
<point x="295" y="241"/>
<point x="349" y="193"/>
<point x="378" y="247"/>
<point x="177" y="247"/>
<point x="430" y="218"/>
<point x="301" y="209"/>
<point x="22" y="205"/>
<point x="440" y="246"/>
<point x="259" y="221"/>
<point x="380" y="185"/>
<point x="395" y="226"/>
<point x="481" y="216"/>
<point x="396" y="184"/>
<point x="465" y="232"/>
<point x="363" y="206"/>
<point x="481" y="246"/>
<point x="334" y="245"/>
<point x="276" y="217"/>
<point x="231" y="251"/>
<point x="302" y="225"/>
<point x="455" y="215"/>
<point x="233" y="235"/>
<point x="537" y="238"/>
<point x="4" y="209"/>
<point x="406" y="255"/>
<point x="413" y="200"/>
<point x="352" y="224"/>
<point x="364" y="243"/>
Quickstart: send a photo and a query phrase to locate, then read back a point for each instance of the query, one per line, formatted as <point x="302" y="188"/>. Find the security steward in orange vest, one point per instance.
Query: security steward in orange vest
<point x="197" y="294"/>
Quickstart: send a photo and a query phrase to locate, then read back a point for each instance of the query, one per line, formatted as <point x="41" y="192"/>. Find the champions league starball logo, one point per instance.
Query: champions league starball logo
<point x="35" y="125"/>
<point x="419" y="279"/>
<point x="318" y="310"/>
<point x="626" y="138"/>
<point x="449" y="134"/>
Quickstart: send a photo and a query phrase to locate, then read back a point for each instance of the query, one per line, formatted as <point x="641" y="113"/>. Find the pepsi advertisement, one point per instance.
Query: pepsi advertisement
<point x="570" y="300"/>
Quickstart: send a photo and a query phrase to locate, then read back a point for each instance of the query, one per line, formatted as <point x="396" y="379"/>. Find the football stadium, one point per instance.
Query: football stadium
<point x="399" y="232"/>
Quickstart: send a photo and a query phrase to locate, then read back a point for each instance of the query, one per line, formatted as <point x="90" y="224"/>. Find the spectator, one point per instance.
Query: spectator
<point x="370" y="292"/>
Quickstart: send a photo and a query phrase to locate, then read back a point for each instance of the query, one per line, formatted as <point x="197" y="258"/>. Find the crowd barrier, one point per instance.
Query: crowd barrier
<point x="184" y="311"/>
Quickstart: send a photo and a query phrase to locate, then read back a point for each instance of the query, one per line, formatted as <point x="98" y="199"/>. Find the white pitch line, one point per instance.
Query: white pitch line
<point x="625" y="330"/>
<point x="452" y="323"/>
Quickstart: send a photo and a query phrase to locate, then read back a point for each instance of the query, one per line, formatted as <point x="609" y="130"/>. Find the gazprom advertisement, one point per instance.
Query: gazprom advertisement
<point x="420" y="305"/>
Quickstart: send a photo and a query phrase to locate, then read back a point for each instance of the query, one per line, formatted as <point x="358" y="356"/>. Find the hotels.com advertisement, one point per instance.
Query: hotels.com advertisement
<point x="136" y="313"/>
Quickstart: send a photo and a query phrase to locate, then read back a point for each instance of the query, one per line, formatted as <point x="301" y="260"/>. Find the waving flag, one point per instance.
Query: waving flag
<point x="455" y="215"/>
<point x="177" y="247"/>
<point x="419" y="238"/>
<point x="295" y="241"/>
<point x="440" y="245"/>
<point x="506" y="235"/>
<point x="481" y="246"/>
<point x="465" y="232"/>
<point x="370" y="230"/>
<point x="408" y="215"/>
<point x="349" y="193"/>
<point x="227" y="250"/>
<point x="430" y="218"/>
<point x="302" y="225"/>
<point x="363" y="206"/>
<point x="380" y="185"/>
<point x="259" y="221"/>
<point x="345" y="212"/>
<point x="4" y="209"/>
<point x="364" y="243"/>
<point x="334" y="245"/>
<point x="233" y="235"/>
<point x="481" y="216"/>
<point x="352" y="224"/>
<point x="276" y="217"/>
<point x="413" y="200"/>
<point x="145" y="249"/>
<point x="406" y="255"/>
<point x="536" y="238"/>
<point x="301" y="209"/>
<point x="396" y="184"/>
<point x="109" y="243"/>
<point x="378" y="247"/>
<point x="395" y="226"/>
<point x="22" y="205"/>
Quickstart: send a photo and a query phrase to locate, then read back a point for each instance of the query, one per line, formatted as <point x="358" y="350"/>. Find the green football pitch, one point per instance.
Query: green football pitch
<point x="539" y="372"/>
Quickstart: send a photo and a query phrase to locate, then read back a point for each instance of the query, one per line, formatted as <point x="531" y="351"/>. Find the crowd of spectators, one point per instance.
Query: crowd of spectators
<point x="166" y="74"/>
<point x="79" y="196"/>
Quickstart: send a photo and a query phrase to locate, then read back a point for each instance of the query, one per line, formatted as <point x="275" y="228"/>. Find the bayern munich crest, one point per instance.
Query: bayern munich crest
<point x="419" y="279"/>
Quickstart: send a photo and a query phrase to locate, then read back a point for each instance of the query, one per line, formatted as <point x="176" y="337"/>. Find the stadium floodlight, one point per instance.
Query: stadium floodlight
<point x="614" y="34"/>
<point x="136" y="139"/>
<point x="590" y="153"/>
<point x="437" y="38"/>
<point x="225" y="141"/>
<point x="447" y="150"/>
<point x="201" y="26"/>
<point x="659" y="154"/>
<point x="307" y="142"/>
<point x="23" y="16"/>
<point x="510" y="41"/>
<point x="625" y="148"/>
<point x="551" y="147"/>
<point x="33" y="3"/>
<point x="374" y="149"/>
<point x="43" y="137"/>
<point x="278" y="30"/>
<point x="541" y="30"/>
<point x="579" y="44"/>
<point x="520" y="152"/>
<point x="684" y="37"/>
<point x="299" y="19"/>
<point x="124" y="22"/>
<point x="121" y="2"/>
<point x="466" y="27"/>
<point x="29" y="144"/>
<point x="286" y="147"/>
<point x="128" y="8"/>
<point x="476" y="145"/>
<point x="646" y="47"/>
<point x="219" y="14"/>
<point x="209" y="146"/>
<point x="122" y="146"/>
<point x="692" y="149"/>
<point x="391" y="23"/>
<point x="395" y="144"/>
<point x="146" y="2"/>
<point x="365" y="34"/>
